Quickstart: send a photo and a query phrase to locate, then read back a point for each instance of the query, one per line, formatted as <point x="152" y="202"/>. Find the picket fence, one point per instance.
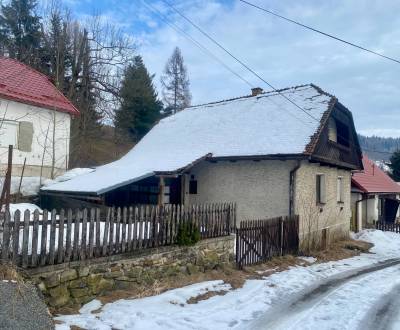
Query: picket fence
<point x="38" y="239"/>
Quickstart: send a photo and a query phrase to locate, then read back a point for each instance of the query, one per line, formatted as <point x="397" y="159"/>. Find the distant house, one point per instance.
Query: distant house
<point x="375" y="196"/>
<point x="35" y="118"/>
<point x="261" y="151"/>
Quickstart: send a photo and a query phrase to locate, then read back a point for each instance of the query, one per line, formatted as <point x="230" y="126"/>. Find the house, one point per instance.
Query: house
<point x="35" y="118"/>
<point x="374" y="195"/>
<point x="271" y="156"/>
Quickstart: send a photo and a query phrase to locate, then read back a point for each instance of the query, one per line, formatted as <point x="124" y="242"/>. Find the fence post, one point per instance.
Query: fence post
<point x="6" y="236"/>
<point x="281" y="233"/>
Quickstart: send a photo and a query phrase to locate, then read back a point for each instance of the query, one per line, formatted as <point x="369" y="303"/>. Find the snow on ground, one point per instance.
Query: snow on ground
<point x="245" y="307"/>
<point x="22" y="207"/>
<point x="30" y="185"/>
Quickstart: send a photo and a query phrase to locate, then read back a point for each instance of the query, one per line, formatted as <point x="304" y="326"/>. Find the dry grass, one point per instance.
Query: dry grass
<point x="8" y="272"/>
<point x="342" y="250"/>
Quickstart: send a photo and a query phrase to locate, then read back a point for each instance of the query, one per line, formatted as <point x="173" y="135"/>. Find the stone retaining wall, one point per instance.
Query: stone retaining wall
<point x="79" y="282"/>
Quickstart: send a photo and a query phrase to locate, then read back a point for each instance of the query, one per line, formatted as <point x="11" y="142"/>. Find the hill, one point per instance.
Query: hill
<point x="379" y="148"/>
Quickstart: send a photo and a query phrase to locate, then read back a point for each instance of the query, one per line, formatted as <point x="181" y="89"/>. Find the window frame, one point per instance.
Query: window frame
<point x="320" y="189"/>
<point x="339" y="190"/>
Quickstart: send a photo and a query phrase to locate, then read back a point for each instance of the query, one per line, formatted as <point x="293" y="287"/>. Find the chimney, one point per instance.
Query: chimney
<point x="256" y="91"/>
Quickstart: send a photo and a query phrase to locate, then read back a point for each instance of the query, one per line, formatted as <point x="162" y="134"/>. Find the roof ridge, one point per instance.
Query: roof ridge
<point x="259" y="95"/>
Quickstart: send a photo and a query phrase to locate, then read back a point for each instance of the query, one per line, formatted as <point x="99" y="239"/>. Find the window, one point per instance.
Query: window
<point x="193" y="187"/>
<point x="9" y="133"/>
<point x="332" y="130"/>
<point x="340" y="189"/>
<point x="343" y="134"/>
<point x="320" y="189"/>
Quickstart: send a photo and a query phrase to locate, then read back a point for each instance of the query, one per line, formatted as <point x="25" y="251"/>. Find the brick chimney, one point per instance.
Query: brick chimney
<point x="256" y="91"/>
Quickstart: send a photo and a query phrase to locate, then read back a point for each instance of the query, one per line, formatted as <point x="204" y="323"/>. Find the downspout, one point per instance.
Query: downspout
<point x="292" y="178"/>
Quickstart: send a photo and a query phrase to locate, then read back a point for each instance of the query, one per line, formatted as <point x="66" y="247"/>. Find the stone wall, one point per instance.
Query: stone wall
<point x="79" y="282"/>
<point x="332" y="216"/>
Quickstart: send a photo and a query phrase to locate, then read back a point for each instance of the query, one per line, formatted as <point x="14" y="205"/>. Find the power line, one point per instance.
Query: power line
<point x="195" y="42"/>
<point x="320" y="32"/>
<point x="238" y="60"/>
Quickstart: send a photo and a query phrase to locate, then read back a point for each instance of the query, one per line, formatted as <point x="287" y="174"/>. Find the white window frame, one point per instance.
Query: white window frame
<point x="340" y="190"/>
<point x="320" y="191"/>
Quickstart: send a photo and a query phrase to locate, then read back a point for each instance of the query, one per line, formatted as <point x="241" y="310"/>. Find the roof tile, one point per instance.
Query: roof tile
<point x="21" y="83"/>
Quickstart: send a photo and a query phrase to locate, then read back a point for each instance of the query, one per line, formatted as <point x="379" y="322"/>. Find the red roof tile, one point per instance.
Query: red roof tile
<point x="21" y="83"/>
<point x="373" y="179"/>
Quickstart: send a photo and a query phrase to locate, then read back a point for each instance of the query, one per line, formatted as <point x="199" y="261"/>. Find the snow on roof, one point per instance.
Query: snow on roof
<point x="266" y="124"/>
<point x="21" y="83"/>
<point x="373" y="179"/>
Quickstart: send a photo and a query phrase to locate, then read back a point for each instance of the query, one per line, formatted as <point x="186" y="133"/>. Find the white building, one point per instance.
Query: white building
<point x="35" y="118"/>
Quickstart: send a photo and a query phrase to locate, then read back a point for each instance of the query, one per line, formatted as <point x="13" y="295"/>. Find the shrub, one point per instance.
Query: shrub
<point x="188" y="234"/>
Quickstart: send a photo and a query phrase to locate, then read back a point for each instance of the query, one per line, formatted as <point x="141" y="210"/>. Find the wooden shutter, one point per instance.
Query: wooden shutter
<point x="25" y="136"/>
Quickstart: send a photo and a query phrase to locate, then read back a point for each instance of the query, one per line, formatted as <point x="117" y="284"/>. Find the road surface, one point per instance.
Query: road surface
<point x="367" y="298"/>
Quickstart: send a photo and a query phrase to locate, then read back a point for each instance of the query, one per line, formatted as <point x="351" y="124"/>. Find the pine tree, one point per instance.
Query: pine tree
<point x="140" y="107"/>
<point x="175" y="83"/>
<point x="395" y="166"/>
<point x="20" y="32"/>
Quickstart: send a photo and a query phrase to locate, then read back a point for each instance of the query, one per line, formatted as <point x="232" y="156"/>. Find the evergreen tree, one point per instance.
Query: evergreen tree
<point x="395" y="165"/>
<point x="175" y="83"/>
<point x="20" y="32"/>
<point x="140" y="107"/>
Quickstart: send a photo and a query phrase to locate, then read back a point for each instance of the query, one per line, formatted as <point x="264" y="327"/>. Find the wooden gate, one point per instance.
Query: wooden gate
<point x="260" y="240"/>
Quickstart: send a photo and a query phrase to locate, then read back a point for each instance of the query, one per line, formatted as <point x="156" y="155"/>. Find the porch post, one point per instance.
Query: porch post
<point x="161" y="186"/>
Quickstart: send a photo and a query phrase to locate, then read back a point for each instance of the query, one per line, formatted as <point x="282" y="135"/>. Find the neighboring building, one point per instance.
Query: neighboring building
<point x="35" y="118"/>
<point x="375" y="196"/>
<point x="261" y="151"/>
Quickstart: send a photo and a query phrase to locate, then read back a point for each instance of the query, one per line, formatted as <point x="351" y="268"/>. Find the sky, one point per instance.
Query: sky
<point x="282" y="53"/>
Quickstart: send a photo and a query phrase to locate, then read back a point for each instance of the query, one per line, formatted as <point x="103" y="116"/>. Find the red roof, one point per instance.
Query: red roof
<point x="373" y="179"/>
<point x="21" y="83"/>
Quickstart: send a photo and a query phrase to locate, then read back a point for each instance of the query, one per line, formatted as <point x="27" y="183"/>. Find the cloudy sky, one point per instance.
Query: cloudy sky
<point x="282" y="53"/>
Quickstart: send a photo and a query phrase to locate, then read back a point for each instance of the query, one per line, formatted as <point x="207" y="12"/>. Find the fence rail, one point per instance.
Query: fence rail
<point x="260" y="240"/>
<point x="32" y="239"/>
<point x="388" y="226"/>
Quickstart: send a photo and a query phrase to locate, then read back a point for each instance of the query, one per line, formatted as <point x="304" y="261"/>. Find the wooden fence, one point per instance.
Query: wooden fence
<point x="388" y="226"/>
<point x="34" y="239"/>
<point x="260" y="240"/>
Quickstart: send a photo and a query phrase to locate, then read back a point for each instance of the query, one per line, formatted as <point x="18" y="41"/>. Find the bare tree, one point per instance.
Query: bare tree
<point x="175" y="83"/>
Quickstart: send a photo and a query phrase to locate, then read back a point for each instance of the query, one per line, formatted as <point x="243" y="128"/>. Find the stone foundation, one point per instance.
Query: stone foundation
<point x="79" y="282"/>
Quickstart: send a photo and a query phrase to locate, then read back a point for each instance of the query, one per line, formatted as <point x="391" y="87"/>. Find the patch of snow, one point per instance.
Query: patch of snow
<point x="22" y="207"/>
<point x="309" y="260"/>
<point x="29" y="187"/>
<point x="68" y="176"/>
<point x="272" y="126"/>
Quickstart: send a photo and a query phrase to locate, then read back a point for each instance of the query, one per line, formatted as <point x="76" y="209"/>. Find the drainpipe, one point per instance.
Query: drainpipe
<point x="292" y="178"/>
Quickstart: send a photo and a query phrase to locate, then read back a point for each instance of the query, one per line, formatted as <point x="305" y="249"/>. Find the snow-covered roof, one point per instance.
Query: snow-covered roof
<point x="266" y="124"/>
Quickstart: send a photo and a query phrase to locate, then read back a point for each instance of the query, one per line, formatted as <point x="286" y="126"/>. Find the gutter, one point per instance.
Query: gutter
<point x="292" y="178"/>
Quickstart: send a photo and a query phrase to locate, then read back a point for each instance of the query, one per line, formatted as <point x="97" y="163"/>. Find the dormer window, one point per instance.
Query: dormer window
<point x="338" y="132"/>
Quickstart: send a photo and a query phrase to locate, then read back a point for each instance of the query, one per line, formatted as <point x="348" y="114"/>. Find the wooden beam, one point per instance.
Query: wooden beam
<point x="161" y="186"/>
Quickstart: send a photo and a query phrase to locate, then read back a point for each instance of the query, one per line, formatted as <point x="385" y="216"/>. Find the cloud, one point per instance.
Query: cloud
<point x="284" y="54"/>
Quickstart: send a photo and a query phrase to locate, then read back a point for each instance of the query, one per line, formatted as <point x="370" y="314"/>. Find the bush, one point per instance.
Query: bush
<point x="188" y="234"/>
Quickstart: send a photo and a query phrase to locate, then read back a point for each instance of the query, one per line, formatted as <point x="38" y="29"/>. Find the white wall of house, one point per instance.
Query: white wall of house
<point x="42" y="122"/>
<point x="333" y="214"/>
<point x="259" y="188"/>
